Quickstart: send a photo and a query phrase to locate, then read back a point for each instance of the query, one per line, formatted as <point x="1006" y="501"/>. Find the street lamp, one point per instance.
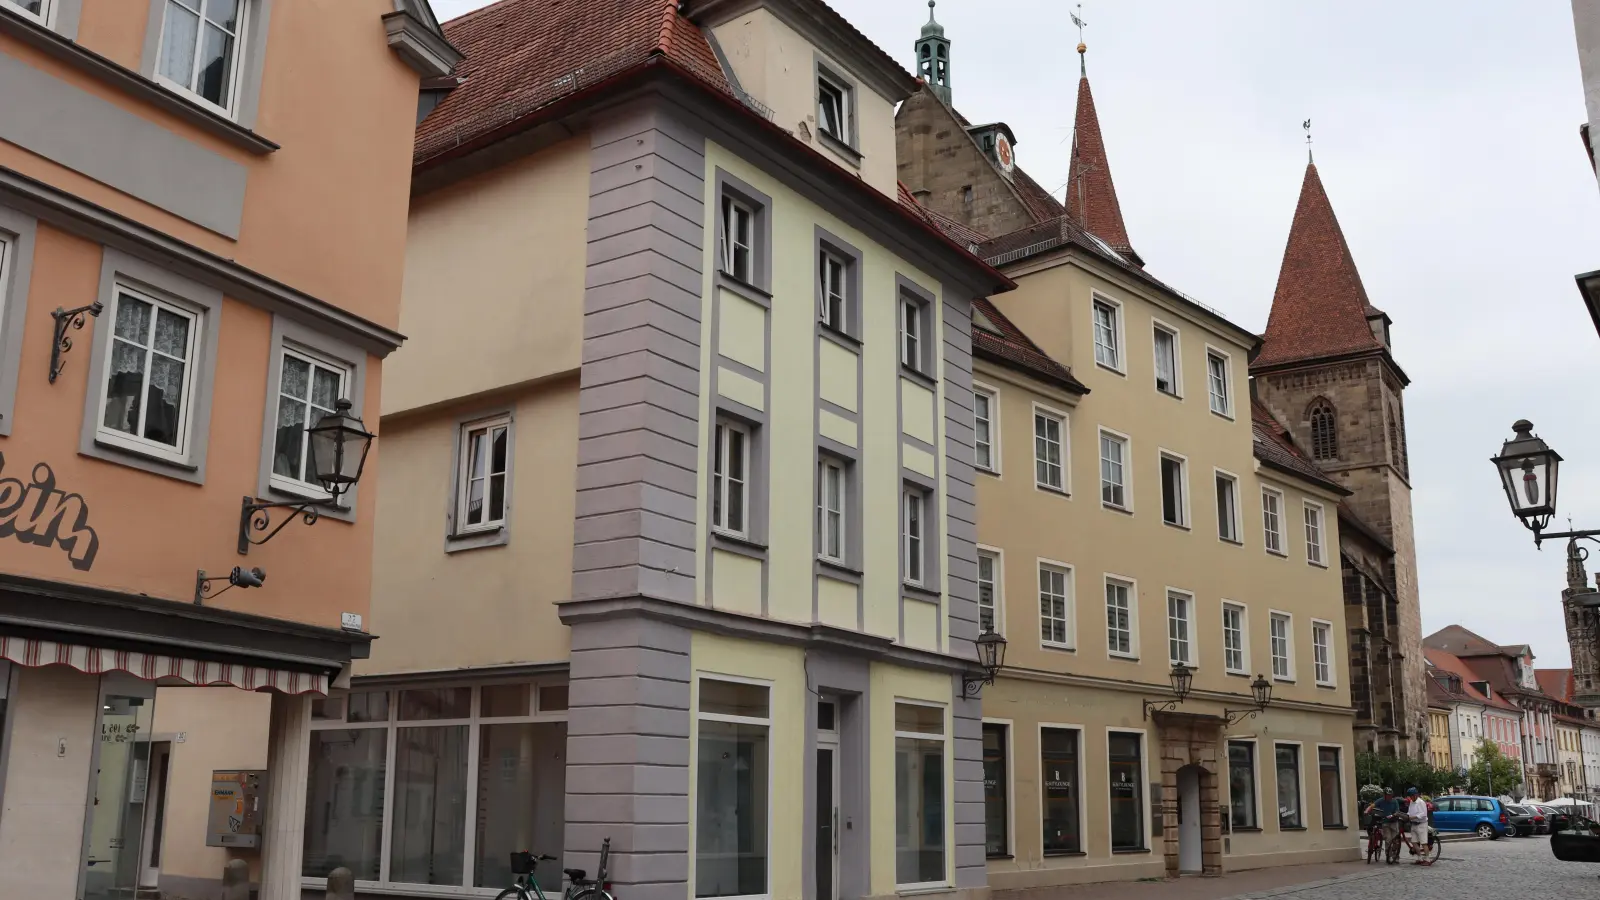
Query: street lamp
<point x="991" y="656"/>
<point x="1528" y="470"/>
<point x="1261" y="693"/>
<point x="336" y="449"/>
<point x="1182" y="679"/>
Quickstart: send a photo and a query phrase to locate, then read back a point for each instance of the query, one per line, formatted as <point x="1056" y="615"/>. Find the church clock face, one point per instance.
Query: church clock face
<point x="1002" y="152"/>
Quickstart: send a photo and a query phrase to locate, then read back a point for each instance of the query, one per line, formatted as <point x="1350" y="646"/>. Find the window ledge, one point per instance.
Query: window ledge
<point x="1175" y="525"/>
<point x="1335" y="827"/>
<point x="1060" y="647"/>
<point x="850" y="154"/>
<point x="1237" y="674"/>
<point x="1112" y="507"/>
<point x="1327" y="685"/>
<point x="744" y="288"/>
<point x="1169" y="394"/>
<point x="838" y="571"/>
<point x="1130" y="852"/>
<point x="1053" y="490"/>
<point x="1291" y="828"/>
<point x="123" y="455"/>
<point x="1222" y="415"/>
<point x="721" y="540"/>
<point x="838" y="336"/>
<point x="999" y="856"/>
<point x="923" y="889"/>
<point x="1063" y="853"/>
<point x="1278" y="553"/>
<point x="1319" y="565"/>
<point x="918" y="592"/>
<point x="916" y="374"/>
<point x="1124" y="657"/>
<point x="1235" y="542"/>
<point x="132" y="83"/>
<point x="498" y="536"/>
<point x="1246" y="829"/>
<point x="1112" y="369"/>
<point x="1283" y="679"/>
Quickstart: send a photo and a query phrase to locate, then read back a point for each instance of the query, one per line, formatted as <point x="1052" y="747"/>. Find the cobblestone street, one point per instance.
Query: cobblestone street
<point x="1508" y="867"/>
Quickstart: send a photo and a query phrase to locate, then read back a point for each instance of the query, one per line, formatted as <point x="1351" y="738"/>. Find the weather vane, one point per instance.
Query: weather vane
<point x="1307" y="126"/>
<point x="1077" y="19"/>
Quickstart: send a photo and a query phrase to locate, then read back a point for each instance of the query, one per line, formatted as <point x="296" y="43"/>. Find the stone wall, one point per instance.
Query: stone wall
<point x="938" y="162"/>
<point x="1191" y="740"/>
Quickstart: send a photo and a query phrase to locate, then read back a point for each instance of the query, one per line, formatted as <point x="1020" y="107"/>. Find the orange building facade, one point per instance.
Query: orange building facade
<point x="202" y="231"/>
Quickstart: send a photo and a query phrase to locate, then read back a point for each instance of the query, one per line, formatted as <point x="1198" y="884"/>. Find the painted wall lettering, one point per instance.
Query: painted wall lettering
<point x="37" y="513"/>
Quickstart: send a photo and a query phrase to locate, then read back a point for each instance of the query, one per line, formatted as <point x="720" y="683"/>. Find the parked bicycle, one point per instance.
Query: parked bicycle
<point x="1426" y="854"/>
<point x="525" y="886"/>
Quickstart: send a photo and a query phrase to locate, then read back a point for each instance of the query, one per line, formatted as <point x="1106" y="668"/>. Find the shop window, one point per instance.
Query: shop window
<point x="731" y="790"/>
<point x="919" y="773"/>
<point x="1058" y="761"/>
<point x="1242" y="785"/>
<point x="996" y="799"/>
<point x="1127" y="792"/>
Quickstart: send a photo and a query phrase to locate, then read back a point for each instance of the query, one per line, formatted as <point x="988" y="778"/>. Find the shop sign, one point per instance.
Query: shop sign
<point x="37" y="513"/>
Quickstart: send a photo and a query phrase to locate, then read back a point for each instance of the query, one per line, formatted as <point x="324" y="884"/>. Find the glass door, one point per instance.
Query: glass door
<point x="826" y="802"/>
<point x="119" y="793"/>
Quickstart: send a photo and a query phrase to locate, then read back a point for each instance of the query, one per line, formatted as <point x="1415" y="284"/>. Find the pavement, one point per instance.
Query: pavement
<point x="1521" y="867"/>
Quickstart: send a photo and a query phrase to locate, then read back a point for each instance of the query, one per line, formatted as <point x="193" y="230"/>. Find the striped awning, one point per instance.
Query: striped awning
<point x="151" y="666"/>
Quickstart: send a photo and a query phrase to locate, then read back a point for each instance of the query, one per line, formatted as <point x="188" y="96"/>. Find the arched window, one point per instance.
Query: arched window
<point x="1396" y="439"/>
<point x="1324" y="430"/>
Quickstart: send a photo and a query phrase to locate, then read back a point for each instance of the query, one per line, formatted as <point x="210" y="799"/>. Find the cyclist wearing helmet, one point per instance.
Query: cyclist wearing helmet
<point x="1417" y="812"/>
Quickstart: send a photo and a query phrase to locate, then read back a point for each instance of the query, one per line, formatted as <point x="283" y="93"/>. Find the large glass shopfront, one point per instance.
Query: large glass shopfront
<point x="437" y="785"/>
<point x="120" y="789"/>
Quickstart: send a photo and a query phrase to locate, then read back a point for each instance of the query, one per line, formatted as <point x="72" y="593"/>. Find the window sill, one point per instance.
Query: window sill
<point x="1169" y="394"/>
<point x="744" y="288"/>
<point x="915" y="890"/>
<point x="839" y="336"/>
<point x="132" y="83"/>
<point x="838" y="571"/>
<point x="1061" y="492"/>
<point x="1048" y="854"/>
<point x="917" y="375"/>
<point x="1328" y="686"/>
<point x="851" y="155"/>
<point x="1063" y="648"/>
<point x="722" y="540"/>
<point x="1291" y="828"/>
<point x="999" y="856"/>
<point x="1278" y="553"/>
<point x="1246" y="829"/>
<point x="1237" y="674"/>
<point x="1112" y="369"/>
<point x="918" y="592"/>
<point x="1125" y="657"/>
<point x="995" y="473"/>
<point x="1335" y="827"/>
<point x="123" y="455"/>
<point x="1223" y="415"/>
<point x="1233" y="541"/>
<point x="1129" y="851"/>
<point x="455" y="542"/>
<point x="1175" y="525"/>
<point x="1112" y="507"/>
<point x="1320" y="565"/>
<point x="1283" y="679"/>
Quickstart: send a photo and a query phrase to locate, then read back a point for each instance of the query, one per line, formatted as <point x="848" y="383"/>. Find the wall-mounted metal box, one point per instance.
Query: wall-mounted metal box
<point x="236" y="808"/>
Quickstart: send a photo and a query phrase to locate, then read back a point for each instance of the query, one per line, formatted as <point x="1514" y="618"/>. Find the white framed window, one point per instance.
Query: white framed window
<point x="308" y="387"/>
<point x="738" y="239"/>
<point x="991" y="590"/>
<point x="1121" y="617"/>
<point x="832" y="271"/>
<point x="1174" y="490"/>
<point x="1219" y="382"/>
<point x="733" y="787"/>
<point x="1180" y="627"/>
<point x="986" y="428"/>
<point x="831" y="492"/>
<point x="1169" y="371"/>
<point x="919" y="778"/>
<point x="730" y="478"/>
<point x="1272" y="520"/>
<point x="911" y="349"/>
<point x="38" y="10"/>
<point x="833" y="108"/>
<point x="1281" y="641"/>
<point x="393" y="773"/>
<point x="201" y="48"/>
<point x="1055" y="605"/>
<point x="1322" y="652"/>
<point x="1227" y="507"/>
<point x="913" y="524"/>
<point x="1314" y="545"/>
<point x="1235" y="640"/>
<point x="484" y="477"/>
<point x="1107" y="334"/>
<point x="1049" y="449"/>
<point x="146" y="401"/>
<point x="1114" y="490"/>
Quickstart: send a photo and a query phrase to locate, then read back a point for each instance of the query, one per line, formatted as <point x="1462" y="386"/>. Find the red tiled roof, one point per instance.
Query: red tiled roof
<point x="1449" y="662"/>
<point x="955" y="231"/>
<point x="1009" y="346"/>
<point x="522" y="55"/>
<point x="1274" y="447"/>
<point x="1091" y="195"/>
<point x="1558" y="683"/>
<point x="1320" y="306"/>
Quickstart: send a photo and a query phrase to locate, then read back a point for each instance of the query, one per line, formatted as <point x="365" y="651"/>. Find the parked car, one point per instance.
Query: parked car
<point x="1461" y="813"/>
<point x="1578" y="843"/>
<point x="1560" y="819"/>
<point x="1521" y="820"/>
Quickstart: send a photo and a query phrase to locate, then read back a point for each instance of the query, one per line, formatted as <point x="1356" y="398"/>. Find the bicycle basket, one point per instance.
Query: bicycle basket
<point x="522" y="863"/>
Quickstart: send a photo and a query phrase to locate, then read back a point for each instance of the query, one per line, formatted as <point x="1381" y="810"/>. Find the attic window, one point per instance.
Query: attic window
<point x="833" y="108"/>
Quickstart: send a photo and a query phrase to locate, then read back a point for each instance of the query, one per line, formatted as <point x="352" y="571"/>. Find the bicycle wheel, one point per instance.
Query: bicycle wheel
<point x="1434" y="852"/>
<point x="1391" y="852"/>
<point x="590" y="893"/>
<point x="515" y="892"/>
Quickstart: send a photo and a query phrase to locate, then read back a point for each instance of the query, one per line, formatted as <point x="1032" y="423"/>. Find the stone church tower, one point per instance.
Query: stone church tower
<point x="1327" y="372"/>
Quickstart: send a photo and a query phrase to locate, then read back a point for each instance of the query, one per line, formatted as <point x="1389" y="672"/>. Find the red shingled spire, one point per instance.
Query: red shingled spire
<point x="1320" y="308"/>
<point x="1091" y="197"/>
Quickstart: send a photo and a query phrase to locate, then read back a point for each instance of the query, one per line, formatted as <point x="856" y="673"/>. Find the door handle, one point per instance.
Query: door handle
<point x="835" y="830"/>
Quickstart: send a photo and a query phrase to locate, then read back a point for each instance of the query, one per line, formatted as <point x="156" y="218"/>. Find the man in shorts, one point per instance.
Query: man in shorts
<point x="1417" y="813"/>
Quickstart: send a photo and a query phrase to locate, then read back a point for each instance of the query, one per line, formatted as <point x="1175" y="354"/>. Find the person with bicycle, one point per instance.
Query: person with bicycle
<point x="1384" y="809"/>
<point x="1417" y="816"/>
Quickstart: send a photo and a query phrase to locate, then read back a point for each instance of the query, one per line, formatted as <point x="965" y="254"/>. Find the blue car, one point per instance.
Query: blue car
<point x="1484" y="815"/>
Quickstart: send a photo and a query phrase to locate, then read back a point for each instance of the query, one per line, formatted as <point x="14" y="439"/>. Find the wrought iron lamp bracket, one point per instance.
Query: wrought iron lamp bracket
<point x="1539" y="536"/>
<point x="61" y="342"/>
<point x="972" y="685"/>
<point x="1233" y="717"/>
<point x="204" y="585"/>
<point x="255" y="516"/>
<point x="1154" y="706"/>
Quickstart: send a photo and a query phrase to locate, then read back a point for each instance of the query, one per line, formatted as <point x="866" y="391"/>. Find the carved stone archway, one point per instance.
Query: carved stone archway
<point x="1185" y="740"/>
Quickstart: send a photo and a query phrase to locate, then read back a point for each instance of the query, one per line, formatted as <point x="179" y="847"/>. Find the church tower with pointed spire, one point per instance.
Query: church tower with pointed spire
<point x="1091" y="195"/>
<point x="1327" y="372"/>
<point x="933" y="56"/>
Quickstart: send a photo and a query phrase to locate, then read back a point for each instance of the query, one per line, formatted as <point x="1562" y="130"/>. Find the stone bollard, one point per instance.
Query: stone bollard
<point x="341" y="885"/>
<point x="236" y="880"/>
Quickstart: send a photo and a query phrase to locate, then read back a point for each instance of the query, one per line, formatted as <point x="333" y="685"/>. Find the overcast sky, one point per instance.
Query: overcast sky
<point x="1446" y="134"/>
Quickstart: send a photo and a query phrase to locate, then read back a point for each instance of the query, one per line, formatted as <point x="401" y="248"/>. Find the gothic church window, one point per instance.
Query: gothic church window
<point x="1324" y="430"/>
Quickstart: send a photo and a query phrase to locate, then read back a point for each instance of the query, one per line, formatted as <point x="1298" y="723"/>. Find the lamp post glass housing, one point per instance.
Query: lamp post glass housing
<point x="338" y="447"/>
<point x="1261" y="690"/>
<point x="1182" y="679"/>
<point x="991" y="652"/>
<point x="1528" y="472"/>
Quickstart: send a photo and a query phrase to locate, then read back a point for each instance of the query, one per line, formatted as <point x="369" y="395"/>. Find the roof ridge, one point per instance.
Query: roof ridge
<point x="669" y="12"/>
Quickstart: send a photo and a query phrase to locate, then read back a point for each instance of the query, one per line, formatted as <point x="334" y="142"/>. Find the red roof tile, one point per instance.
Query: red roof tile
<point x="1320" y="306"/>
<point x="1558" y="683"/>
<point x="1449" y="662"/>
<point x="964" y="235"/>
<point x="1091" y="195"/>
<point x="1274" y="447"/>
<point x="1008" y="346"/>
<point x="522" y="55"/>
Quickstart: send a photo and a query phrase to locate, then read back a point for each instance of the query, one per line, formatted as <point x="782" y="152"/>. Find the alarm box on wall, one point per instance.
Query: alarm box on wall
<point x="236" y="808"/>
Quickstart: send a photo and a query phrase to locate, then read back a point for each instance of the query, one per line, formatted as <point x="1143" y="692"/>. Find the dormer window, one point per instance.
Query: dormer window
<point x="833" y="108"/>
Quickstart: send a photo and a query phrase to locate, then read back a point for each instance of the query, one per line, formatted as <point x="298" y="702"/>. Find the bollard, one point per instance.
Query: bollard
<point x="341" y="885"/>
<point x="236" y="880"/>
